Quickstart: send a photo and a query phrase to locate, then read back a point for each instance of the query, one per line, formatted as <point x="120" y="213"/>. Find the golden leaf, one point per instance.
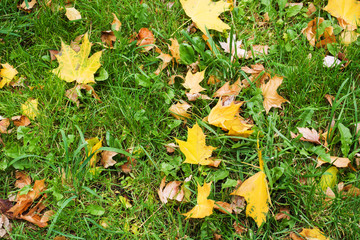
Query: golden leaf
<point x="93" y="146"/>
<point x="219" y="114"/>
<point x="271" y="97"/>
<point x="347" y="37"/>
<point x="205" y="13"/>
<point x="204" y="206"/>
<point x="238" y="127"/>
<point x="329" y="178"/>
<point x="7" y="73"/>
<point x="116" y="24"/>
<point x="314" y="234"/>
<point x="256" y="193"/>
<point x="316" y="39"/>
<point x="76" y="66"/>
<point x="195" y="149"/>
<point x="347" y="10"/>
<point x="30" y="108"/>
<point x="192" y="82"/>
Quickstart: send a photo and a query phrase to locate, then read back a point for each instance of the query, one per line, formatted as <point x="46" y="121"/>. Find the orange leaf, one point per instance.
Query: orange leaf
<point x="145" y="38"/>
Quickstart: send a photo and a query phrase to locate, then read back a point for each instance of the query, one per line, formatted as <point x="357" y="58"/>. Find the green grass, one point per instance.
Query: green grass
<point x="134" y="114"/>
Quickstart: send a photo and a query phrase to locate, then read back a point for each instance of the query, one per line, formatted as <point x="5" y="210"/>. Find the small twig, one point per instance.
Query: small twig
<point x="151" y="215"/>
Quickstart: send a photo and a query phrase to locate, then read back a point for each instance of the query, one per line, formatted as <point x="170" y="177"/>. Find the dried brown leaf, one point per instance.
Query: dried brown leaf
<point x="228" y="90"/>
<point x="108" y="37"/>
<point x="4" y="124"/>
<point x="116" y="24"/>
<point x="22" y="179"/>
<point x="223" y="207"/>
<point x="107" y="158"/>
<point x="180" y="110"/>
<point x="329" y="98"/>
<point x="72" y="93"/>
<point x="21" y="121"/>
<point x="336" y="161"/>
<point x="311" y="9"/>
<point x="283" y="214"/>
<point x="145" y="39"/>
<point x="170" y="191"/>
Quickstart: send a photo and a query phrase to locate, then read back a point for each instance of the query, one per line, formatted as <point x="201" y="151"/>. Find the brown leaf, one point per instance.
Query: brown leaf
<point x="4" y="124"/>
<point x="283" y="214"/>
<point x="179" y="110"/>
<point x="145" y="38"/>
<point x="217" y="236"/>
<point x="311" y="9"/>
<point x="5" y="226"/>
<point x="195" y="96"/>
<point x="129" y="165"/>
<point x="258" y="51"/>
<point x="5" y="205"/>
<point x="106" y="158"/>
<point x="213" y="80"/>
<point x="172" y="79"/>
<point x="116" y="24"/>
<point x="329" y="98"/>
<point x="108" y="37"/>
<point x="174" y="49"/>
<point x="315" y="39"/>
<point x="21" y="121"/>
<point x="60" y="238"/>
<point x="239" y="229"/>
<point x="52" y="54"/>
<point x="28" y="8"/>
<point x="223" y="205"/>
<point x="166" y="59"/>
<point x="72" y="93"/>
<point x="294" y="236"/>
<point x="351" y="190"/>
<point x="237" y="204"/>
<point x="22" y="179"/>
<point x="336" y="161"/>
<point x="228" y="90"/>
<point x="271" y="97"/>
<point x="170" y="148"/>
<point x="170" y="191"/>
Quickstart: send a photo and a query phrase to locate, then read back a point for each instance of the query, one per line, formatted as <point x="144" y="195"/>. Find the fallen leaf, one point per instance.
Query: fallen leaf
<point x="223" y="207"/>
<point x="94" y="144"/>
<point x="76" y="66"/>
<point x="21" y="121"/>
<point x="204" y="206"/>
<point x="217" y="236"/>
<point x="30" y="108"/>
<point x="170" y="148"/>
<point x="239" y="229"/>
<point x="283" y="214"/>
<point x="330" y="98"/>
<point x="346" y="10"/>
<point x="174" y="49"/>
<point x="271" y="97"/>
<point x="5" y="205"/>
<point x="258" y="51"/>
<point x="235" y="47"/>
<point x="336" y="161"/>
<point x="4" y="124"/>
<point x="308" y="135"/>
<point x="213" y="80"/>
<point x="129" y="165"/>
<point x="5" y="226"/>
<point x="116" y="24"/>
<point x="228" y="90"/>
<point x="166" y="59"/>
<point x="351" y="190"/>
<point x="313" y="234"/>
<point x="22" y="179"/>
<point x="256" y="193"/>
<point x="320" y="40"/>
<point x="7" y="74"/>
<point x="172" y="79"/>
<point x="329" y="178"/>
<point x="107" y="158"/>
<point x="219" y="114"/>
<point x="195" y="96"/>
<point x="72" y="14"/>
<point x="179" y="110"/>
<point x="238" y="204"/>
<point x="192" y="82"/>
<point x="27" y="7"/>
<point x="145" y="39"/>
<point x="170" y="191"/>
<point x="73" y="93"/>
<point x="195" y="149"/>
<point x="238" y="127"/>
<point x="294" y="236"/>
<point x="331" y="61"/>
<point x="347" y="37"/>
<point x="108" y="37"/>
<point x="205" y="13"/>
<point x="311" y="9"/>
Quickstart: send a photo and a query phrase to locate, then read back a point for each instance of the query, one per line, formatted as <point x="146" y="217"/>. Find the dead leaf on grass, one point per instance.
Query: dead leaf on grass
<point x="308" y="135"/>
<point x="73" y="93"/>
<point x="4" y="124"/>
<point x="195" y="96"/>
<point x="166" y="59"/>
<point x="239" y="228"/>
<point x="330" y="98"/>
<point x="7" y="74"/>
<point x="174" y="49"/>
<point x="170" y="148"/>
<point x="21" y="121"/>
<point x="72" y="14"/>
<point x="116" y="24"/>
<point x="170" y="191"/>
<point x="30" y="108"/>
<point x="179" y="110"/>
<point x="22" y="179"/>
<point x="336" y="161"/>
<point x="284" y="213"/>
<point x="107" y="158"/>
<point x="271" y="97"/>
<point x="228" y="90"/>
<point x="311" y="9"/>
<point x="315" y="39"/>
<point x="5" y="226"/>
<point x="314" y="234"/>
<point x="108" y="37"/>
<point x="27" y="7"/>
<point x="223" y="207"/>
<point x="145" y="39"/>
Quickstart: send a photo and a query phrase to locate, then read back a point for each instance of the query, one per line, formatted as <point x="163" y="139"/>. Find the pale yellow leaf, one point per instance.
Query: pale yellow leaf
<point x="336" y="161"/>
<point x="179" y="110"/>
<point x="30" y="108"/>
<point x="347" y="37"/>
<point x="72" y="14"/>
<point x="174" y="49"/>
<point x="192" y="82"/>
<point x="256" y="193"/>
<point x="329" y="178"/>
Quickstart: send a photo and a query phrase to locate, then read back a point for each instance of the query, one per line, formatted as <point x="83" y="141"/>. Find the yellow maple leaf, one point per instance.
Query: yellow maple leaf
<point x="314" y="234"/>
<point x="204" y="206"/>
<point x="94" y="144"/>
<point x="256" y="193"/>
<point x="271" y="97"/>
<point x="76" y="66"/>
<point x="7" y="73"/>
<point x="219" y="114"/>
<point x="195" y="149"/>
<point x="237" y="127"/>
<point x="205" y="13"/>
<point x="30" y="108"/>
<point x="192" y="82"/>
<point x="347" y="12"/>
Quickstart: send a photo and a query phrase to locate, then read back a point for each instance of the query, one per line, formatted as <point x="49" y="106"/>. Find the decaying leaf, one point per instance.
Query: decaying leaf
<point x="171" y="191"/>
<point x="258" y="51"/>
<point x="195" y="149"/>
<point x="76" y="66"/>
<point x="195" y="96"/>
<point x="347" y="11"/>
<point x="166" y="59"/>
<point x="329" y="178"/>
<point x="205" y="13"/>
<point x="320" y="40"/>
<point x="347" y="37"/>
<point x="174" y="49"/>
<point x="238" y="203"/>
<point x="239" y="228"/>
<point x="30" y="108"/>
<point x="331" y="61"/>
<point x="107" y="158"/>
<point x="213" y="80"/>
<point x="129" y="165"/>
<point x="179" y="110"/>
<point x="22" y="179"/>
<point x="336" y="161"/>
<point x="330" y="98"/>
<point x="311" y="9"/>
<point x="223" y="207"/>
<point x="204" y="206"/>
<point x="192" y="82"/>
<point x="72" y="14"/>
<point x="108" y="37"/>
<point x="228" y="90"/>
<point x="4" y="124"/>
<point x="308" y="135"/>
<point x="283" y="214"/>
<point x="116" y="24"/>
<point x="271" y="97"/>
<point x="73" y="93"/>
<point x="7" y="74"/>
<point x="21" y="121"/>
<point x="313" y="234"/>
<point x="170" y="148"/>
<point x="256" y="193"/>
<point x="145" y="39"/>
<point x="235" y="47"/>
<point x="5" y="226"/>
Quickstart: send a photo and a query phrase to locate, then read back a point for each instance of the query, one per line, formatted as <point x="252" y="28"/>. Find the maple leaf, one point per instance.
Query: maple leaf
<point x="73" y="93"/>
<point x="204" y="206"/>
<point x="238" y="127"/>
<point x="346" y="10"/>
<point x="228" y="90"/>
<point x="22" y="179"/>
<point x="219" y="114"/>
<point x="195" y="149"/>
<point x="76" y="66"/>
<point x="179" y="110"/>
<point x="27" y="7"/>
<point x="347" y="37"/>
<point x="256" y="193"/>
<point x="192" y="81"/>
<point x="170" y="191"/>
<point x="271" y="97"/>
<point x="30" y="108"/>
<point x="166" y="59"/>
<point x="7" y="73"/>
<point x="314" y="234"/>
<point x="308" y="135"/>
<point x="205" y="13"/>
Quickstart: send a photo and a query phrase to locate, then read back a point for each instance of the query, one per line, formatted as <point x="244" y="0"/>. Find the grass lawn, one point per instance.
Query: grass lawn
<point x="133" y="119"/>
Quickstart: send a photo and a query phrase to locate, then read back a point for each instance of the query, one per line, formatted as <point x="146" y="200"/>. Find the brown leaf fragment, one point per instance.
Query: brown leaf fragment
<point x="350" y="190"/>
<point x="145" y="39"/>
<point x="294" y="236"/>
<point x="258" y="51"/>
<point x="329" y="98"/>
<point x="21" y="121"/>
<point x="215" y="162"/>
<point x="108" y="37"/>
<point x="174" y="49"/>
<point x="311" y="9"/>
<point x="237" y="204"/>
<point x="266" y="17"/>
<point x="195" y="96"/>
<point x="315" y="39"/>
<point x="336" y="161"/>
<point x="73" y="95"/>
<point x="309" y="135"/>
<point x="166" y="59"/>
<point x="239" y="228"/>
<point x="107" y="158"/>
<point x="170" y="148"/>
<point x="172" y="79"/>
<point x="223" y="207"/>
<point x="228" y="90"/>
<point x="116" y="24"/>
<point x="170" y="191"/>
<point x="60" y="238"/>
<point x="4" y="124"/>
<point x="5" y="205"/>
<point x="27" y="8"/>
<point x="283" y="214"/>
<point x="52" y="54"/>
<point x="213" y="80"/>
<point x="22" y="179"/>
<point x="329" y="194"/>
<point x="129" y="165"/>
<point x="5" y="226"/>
